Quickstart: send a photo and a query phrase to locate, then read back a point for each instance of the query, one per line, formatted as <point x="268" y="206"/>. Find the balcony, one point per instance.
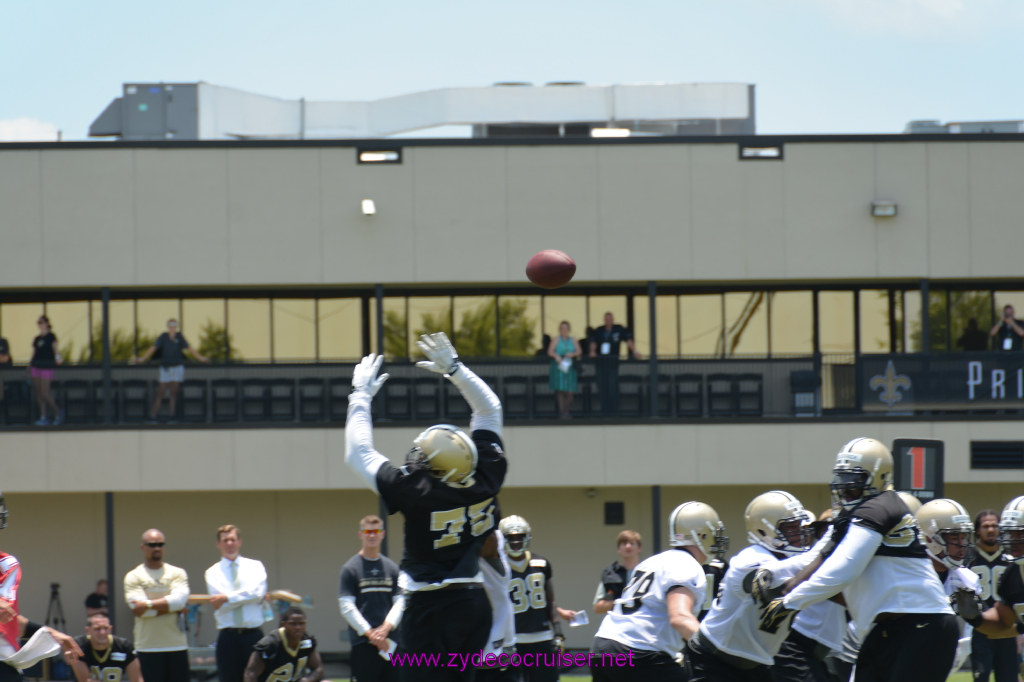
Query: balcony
<point x="869" y="386"/>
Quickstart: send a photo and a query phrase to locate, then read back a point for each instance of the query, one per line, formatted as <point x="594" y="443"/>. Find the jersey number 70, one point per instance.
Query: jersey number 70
<point x="451" y="522"/>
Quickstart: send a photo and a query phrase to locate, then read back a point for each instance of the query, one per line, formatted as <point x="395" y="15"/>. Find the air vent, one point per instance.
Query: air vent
<point x="614" y="513"/>
<point x="997" y="454"/>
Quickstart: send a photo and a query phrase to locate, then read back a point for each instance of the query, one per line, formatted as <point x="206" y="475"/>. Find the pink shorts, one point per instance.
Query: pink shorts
<point x="40" y="373"/>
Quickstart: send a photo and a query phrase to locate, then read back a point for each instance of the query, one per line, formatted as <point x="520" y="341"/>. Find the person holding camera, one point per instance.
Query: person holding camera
<point x="1007" y="332"/>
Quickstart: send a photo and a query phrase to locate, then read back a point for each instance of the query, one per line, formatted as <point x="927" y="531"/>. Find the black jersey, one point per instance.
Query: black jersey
<point x="528" y="591"/>
<point x="280" y="664"/>
<point x="107" y="665"/>
<point x="1010" y="591"/>
<point x="714" y="571"/>
<point x="374" y="584"/>
<point x="889" y="516"/>
<point x="613" y="580"/>
<point x="445" y="525"/>
<point x="990" y="568"/>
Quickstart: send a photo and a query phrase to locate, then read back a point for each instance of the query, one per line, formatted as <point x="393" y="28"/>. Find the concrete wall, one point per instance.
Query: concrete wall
<point x="542" y="456"/>
<point x="236" y="215"/>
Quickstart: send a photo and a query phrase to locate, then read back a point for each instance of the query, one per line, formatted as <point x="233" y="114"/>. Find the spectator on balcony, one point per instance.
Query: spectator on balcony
<point x="604" y="348"/>
<point x="172" y="347"/>
<point x="542" y="352"/>
<point x="973" y="338"/>
<point x="563" y="373"/>
<point x="1007" y="332"/>
<point x="5" y="363"/>
<point x="45" y="357"/>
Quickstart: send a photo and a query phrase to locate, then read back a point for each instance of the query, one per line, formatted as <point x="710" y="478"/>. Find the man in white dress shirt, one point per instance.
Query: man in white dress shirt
<point x="237" y="587"/>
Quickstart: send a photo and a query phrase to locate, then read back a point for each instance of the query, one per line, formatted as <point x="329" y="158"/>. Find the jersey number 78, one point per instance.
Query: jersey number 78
<point x="451" y="522"/>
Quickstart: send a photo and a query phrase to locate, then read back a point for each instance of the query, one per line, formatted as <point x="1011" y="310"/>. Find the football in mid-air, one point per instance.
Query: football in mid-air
<point x="550" y="268"/>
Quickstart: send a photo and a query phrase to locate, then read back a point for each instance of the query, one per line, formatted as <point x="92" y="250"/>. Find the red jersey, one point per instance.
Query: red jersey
<point x="10" y="577"/>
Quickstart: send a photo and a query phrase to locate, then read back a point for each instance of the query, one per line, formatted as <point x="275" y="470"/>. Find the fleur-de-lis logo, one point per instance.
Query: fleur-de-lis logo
<point x="890" y="383"/>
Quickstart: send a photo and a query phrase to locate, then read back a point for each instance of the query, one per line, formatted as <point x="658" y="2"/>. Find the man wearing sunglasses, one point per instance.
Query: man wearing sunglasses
<point x="156" y="591"/>
<point x="370" y="603"/>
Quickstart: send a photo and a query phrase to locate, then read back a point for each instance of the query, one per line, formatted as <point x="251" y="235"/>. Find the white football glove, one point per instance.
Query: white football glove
<point x="441" y="355"/>
<point x="364" y="376"/>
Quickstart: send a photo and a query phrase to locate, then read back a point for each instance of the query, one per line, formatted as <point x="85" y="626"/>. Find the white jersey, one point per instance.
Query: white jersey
<point x="824" y="622"/>
<point x="962" y="578"/>
<point x="639" y="618"/>
<point x="496" y="585"/>
<point x="731" y="625"/>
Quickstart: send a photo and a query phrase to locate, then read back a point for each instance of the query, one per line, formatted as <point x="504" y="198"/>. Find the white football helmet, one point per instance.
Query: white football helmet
<point x="778" y="522"/>
<point x="863" y="469"/>
<point x="912" y="502"/>
<point x="946" y="530"/>
<point x="695" y="523"/>
<point x="517" y="535"/>
<point x="1011" y="529"/>
<point x="448" y="452"/>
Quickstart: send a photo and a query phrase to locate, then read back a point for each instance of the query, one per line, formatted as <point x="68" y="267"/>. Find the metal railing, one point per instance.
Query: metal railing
<point x="686" y="389"/>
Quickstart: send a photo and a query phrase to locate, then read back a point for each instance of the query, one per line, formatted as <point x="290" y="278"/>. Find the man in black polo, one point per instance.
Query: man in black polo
<point x="447" y="492"/>
<point x="370" y="603"/>
<point x="604" y="348"/>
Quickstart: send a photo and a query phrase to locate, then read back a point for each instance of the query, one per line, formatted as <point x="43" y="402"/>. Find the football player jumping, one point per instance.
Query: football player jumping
<point x="447" y="493"/>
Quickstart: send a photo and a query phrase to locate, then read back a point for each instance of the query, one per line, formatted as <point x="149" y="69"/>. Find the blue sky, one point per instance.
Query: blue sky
<point x="820" y="66"/>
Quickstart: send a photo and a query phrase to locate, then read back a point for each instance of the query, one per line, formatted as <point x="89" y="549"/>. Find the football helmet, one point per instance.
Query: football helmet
<point x="695" y="523"/>
<point x="946" y="530"/>
<point x="778" y="522"/>
<point x="912" y="502"/>
<point x="1011" y="529"/>
<point x="863" y="469"/>
<point x="517" y="534"/>
<point x="448" y="452"/>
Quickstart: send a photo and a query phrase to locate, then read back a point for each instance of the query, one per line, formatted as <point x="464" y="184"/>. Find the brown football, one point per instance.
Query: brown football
<point x="550" y="268"/>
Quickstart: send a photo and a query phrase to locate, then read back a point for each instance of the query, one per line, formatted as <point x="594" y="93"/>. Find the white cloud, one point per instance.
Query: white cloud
<point x="27" y="130"/>
<point x="925" y="19"/>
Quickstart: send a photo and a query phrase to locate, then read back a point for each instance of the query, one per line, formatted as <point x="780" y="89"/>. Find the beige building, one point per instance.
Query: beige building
<point x="753" y="255"/>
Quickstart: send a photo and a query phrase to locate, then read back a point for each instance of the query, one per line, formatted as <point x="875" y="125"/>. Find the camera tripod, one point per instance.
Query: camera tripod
<point x="55" y="612"/>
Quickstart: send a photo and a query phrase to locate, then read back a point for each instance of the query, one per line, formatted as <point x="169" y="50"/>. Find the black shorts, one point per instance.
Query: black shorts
<point x="369" y="666"/>
<point x="164" y="666"/>
<point x="642" y="666"/>
<point x="912" y="646"/>
<point x="800" y="660"/>
<point x="540" y="654"/>
<point x="703" y="664"/>
<point x="444" y="622"/>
